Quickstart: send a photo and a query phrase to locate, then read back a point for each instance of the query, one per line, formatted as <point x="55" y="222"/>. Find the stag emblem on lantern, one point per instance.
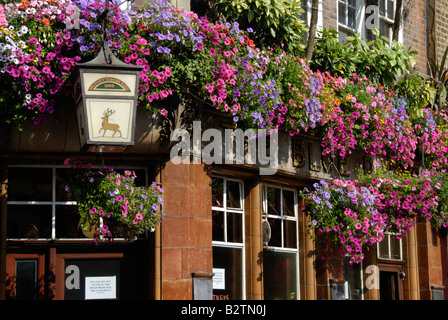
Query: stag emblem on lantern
<point x="109" y="126"/>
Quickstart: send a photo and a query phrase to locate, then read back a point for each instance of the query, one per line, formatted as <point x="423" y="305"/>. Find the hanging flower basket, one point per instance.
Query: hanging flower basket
<point x="354" y="215"/>
<point x="110" y="205"/>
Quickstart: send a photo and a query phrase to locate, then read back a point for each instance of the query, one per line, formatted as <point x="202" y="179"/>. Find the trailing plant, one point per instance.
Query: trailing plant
<point x="418" y="93"/>
<point x="355" y="214"/>
<point x="110" y="204"/>
<point x="343" y="213"/>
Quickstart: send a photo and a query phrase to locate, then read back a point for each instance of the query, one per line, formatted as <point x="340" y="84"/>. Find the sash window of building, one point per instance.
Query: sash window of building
<point x="357" y="16"/>
<point x="348" y="24"/>
<point x="228" y="239"/>
<point x="390" y="248"/>
<point x="280" y="254"/>
<point x="386" y="18"/>
<point x="39" y="206"/>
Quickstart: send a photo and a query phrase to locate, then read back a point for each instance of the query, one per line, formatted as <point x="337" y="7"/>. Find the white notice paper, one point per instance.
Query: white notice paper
<point x="101" y="288"/>
<point x="219" y="279"/>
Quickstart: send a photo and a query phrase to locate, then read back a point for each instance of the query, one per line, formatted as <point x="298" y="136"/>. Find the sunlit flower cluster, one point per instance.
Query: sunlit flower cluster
<point x="355" y="214"/>
<point x="110" y="204"/>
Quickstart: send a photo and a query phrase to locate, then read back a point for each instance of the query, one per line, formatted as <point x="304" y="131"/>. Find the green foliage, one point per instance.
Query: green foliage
<point x="333" y="56"/>
<point x="273" y="21"/>
<point x="110" y="204"/>
<point x="418" y="92"/>
<point x="380" y="59"/>
<point x="439" y="80"/>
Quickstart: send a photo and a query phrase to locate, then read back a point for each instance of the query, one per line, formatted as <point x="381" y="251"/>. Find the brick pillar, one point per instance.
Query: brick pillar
<point x="254" y="243"/>
<point x="429" y="259"/>
<point x="185" y="238"/>
<point x="307" y="259"/>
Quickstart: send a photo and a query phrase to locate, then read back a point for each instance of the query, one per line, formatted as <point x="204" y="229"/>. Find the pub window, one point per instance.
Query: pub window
<point x="280" y="254"/>
<point x="386" y="13"/>
<point x="228" y="239"/>
<point x="347" y="18"/>
<point x="354" y="280"/>
<point x="39" y="206"/>
<point x="390" y="248"/>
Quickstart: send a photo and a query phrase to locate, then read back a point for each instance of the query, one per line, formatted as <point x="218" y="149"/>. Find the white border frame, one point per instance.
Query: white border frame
<point x="265" y="215"/>
<point x="225" y="243"/>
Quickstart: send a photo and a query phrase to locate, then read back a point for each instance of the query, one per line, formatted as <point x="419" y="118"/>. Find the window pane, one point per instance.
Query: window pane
<point x="273" y="201"/>
<point x="229" y="259"/>
<point x="29" y="221"/>
<point x="279" y="275"/>
<point x="61" y="182"/>
<point x="217" y="192"/>
<point x="276" y="232"/>
<point x="233" y="194"/>
<point x="288" y="203"/>
<point x="341" y="13"/>
<point x="290" y="233"/>
<point x="352" y="17"/>
<point x="383" y="248"/>
<point x="218" y="226"/>
<point x="382" y="7"/>
<point x="354" y="279"/>
<point x="26" y="278"/>
<point x="383" y="28"/>
<point x="395" y="248"/>
<point x="390" y="9"/>
<point x="67" y="223"/>
<point x="29" y="184"/>
<point x="234" y="227"/>
<point x="352" y="3"/>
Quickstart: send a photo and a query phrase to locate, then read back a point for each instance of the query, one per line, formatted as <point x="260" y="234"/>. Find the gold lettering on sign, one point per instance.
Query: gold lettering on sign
<point x="109" y="84"/>
<point x="298" y="153"/>
<point x="326" y="161"/>
<point x="313" y="167"/>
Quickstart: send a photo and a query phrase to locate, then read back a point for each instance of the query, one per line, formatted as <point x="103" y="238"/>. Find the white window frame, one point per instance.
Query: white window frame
<point x="389" y="235"/>
<point x="360" y="23"/>
<point x="226" y="243"/>
<point x="53" y="203"/>
<point x="282" y="217"/>
<point x="386" y="19"/>
<point x="359" y="14"/>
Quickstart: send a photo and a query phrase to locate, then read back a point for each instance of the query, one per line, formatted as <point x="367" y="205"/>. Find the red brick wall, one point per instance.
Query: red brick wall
<point x="440" y="27"/>
<point x="414" y="28"/>
<point x="186" y="230"/>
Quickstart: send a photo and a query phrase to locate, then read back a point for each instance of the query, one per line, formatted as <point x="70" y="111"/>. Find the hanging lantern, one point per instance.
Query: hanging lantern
<point x="106" y="93"/>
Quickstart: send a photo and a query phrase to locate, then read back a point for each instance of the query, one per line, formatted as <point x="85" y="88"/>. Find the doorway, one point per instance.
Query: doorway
<point x="391" y="282"/>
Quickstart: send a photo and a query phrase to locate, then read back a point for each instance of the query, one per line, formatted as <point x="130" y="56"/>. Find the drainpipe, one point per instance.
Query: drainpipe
<point x="158" y="250"/>
<point x="431" y="47"/>
<point x="3" y="207"/>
